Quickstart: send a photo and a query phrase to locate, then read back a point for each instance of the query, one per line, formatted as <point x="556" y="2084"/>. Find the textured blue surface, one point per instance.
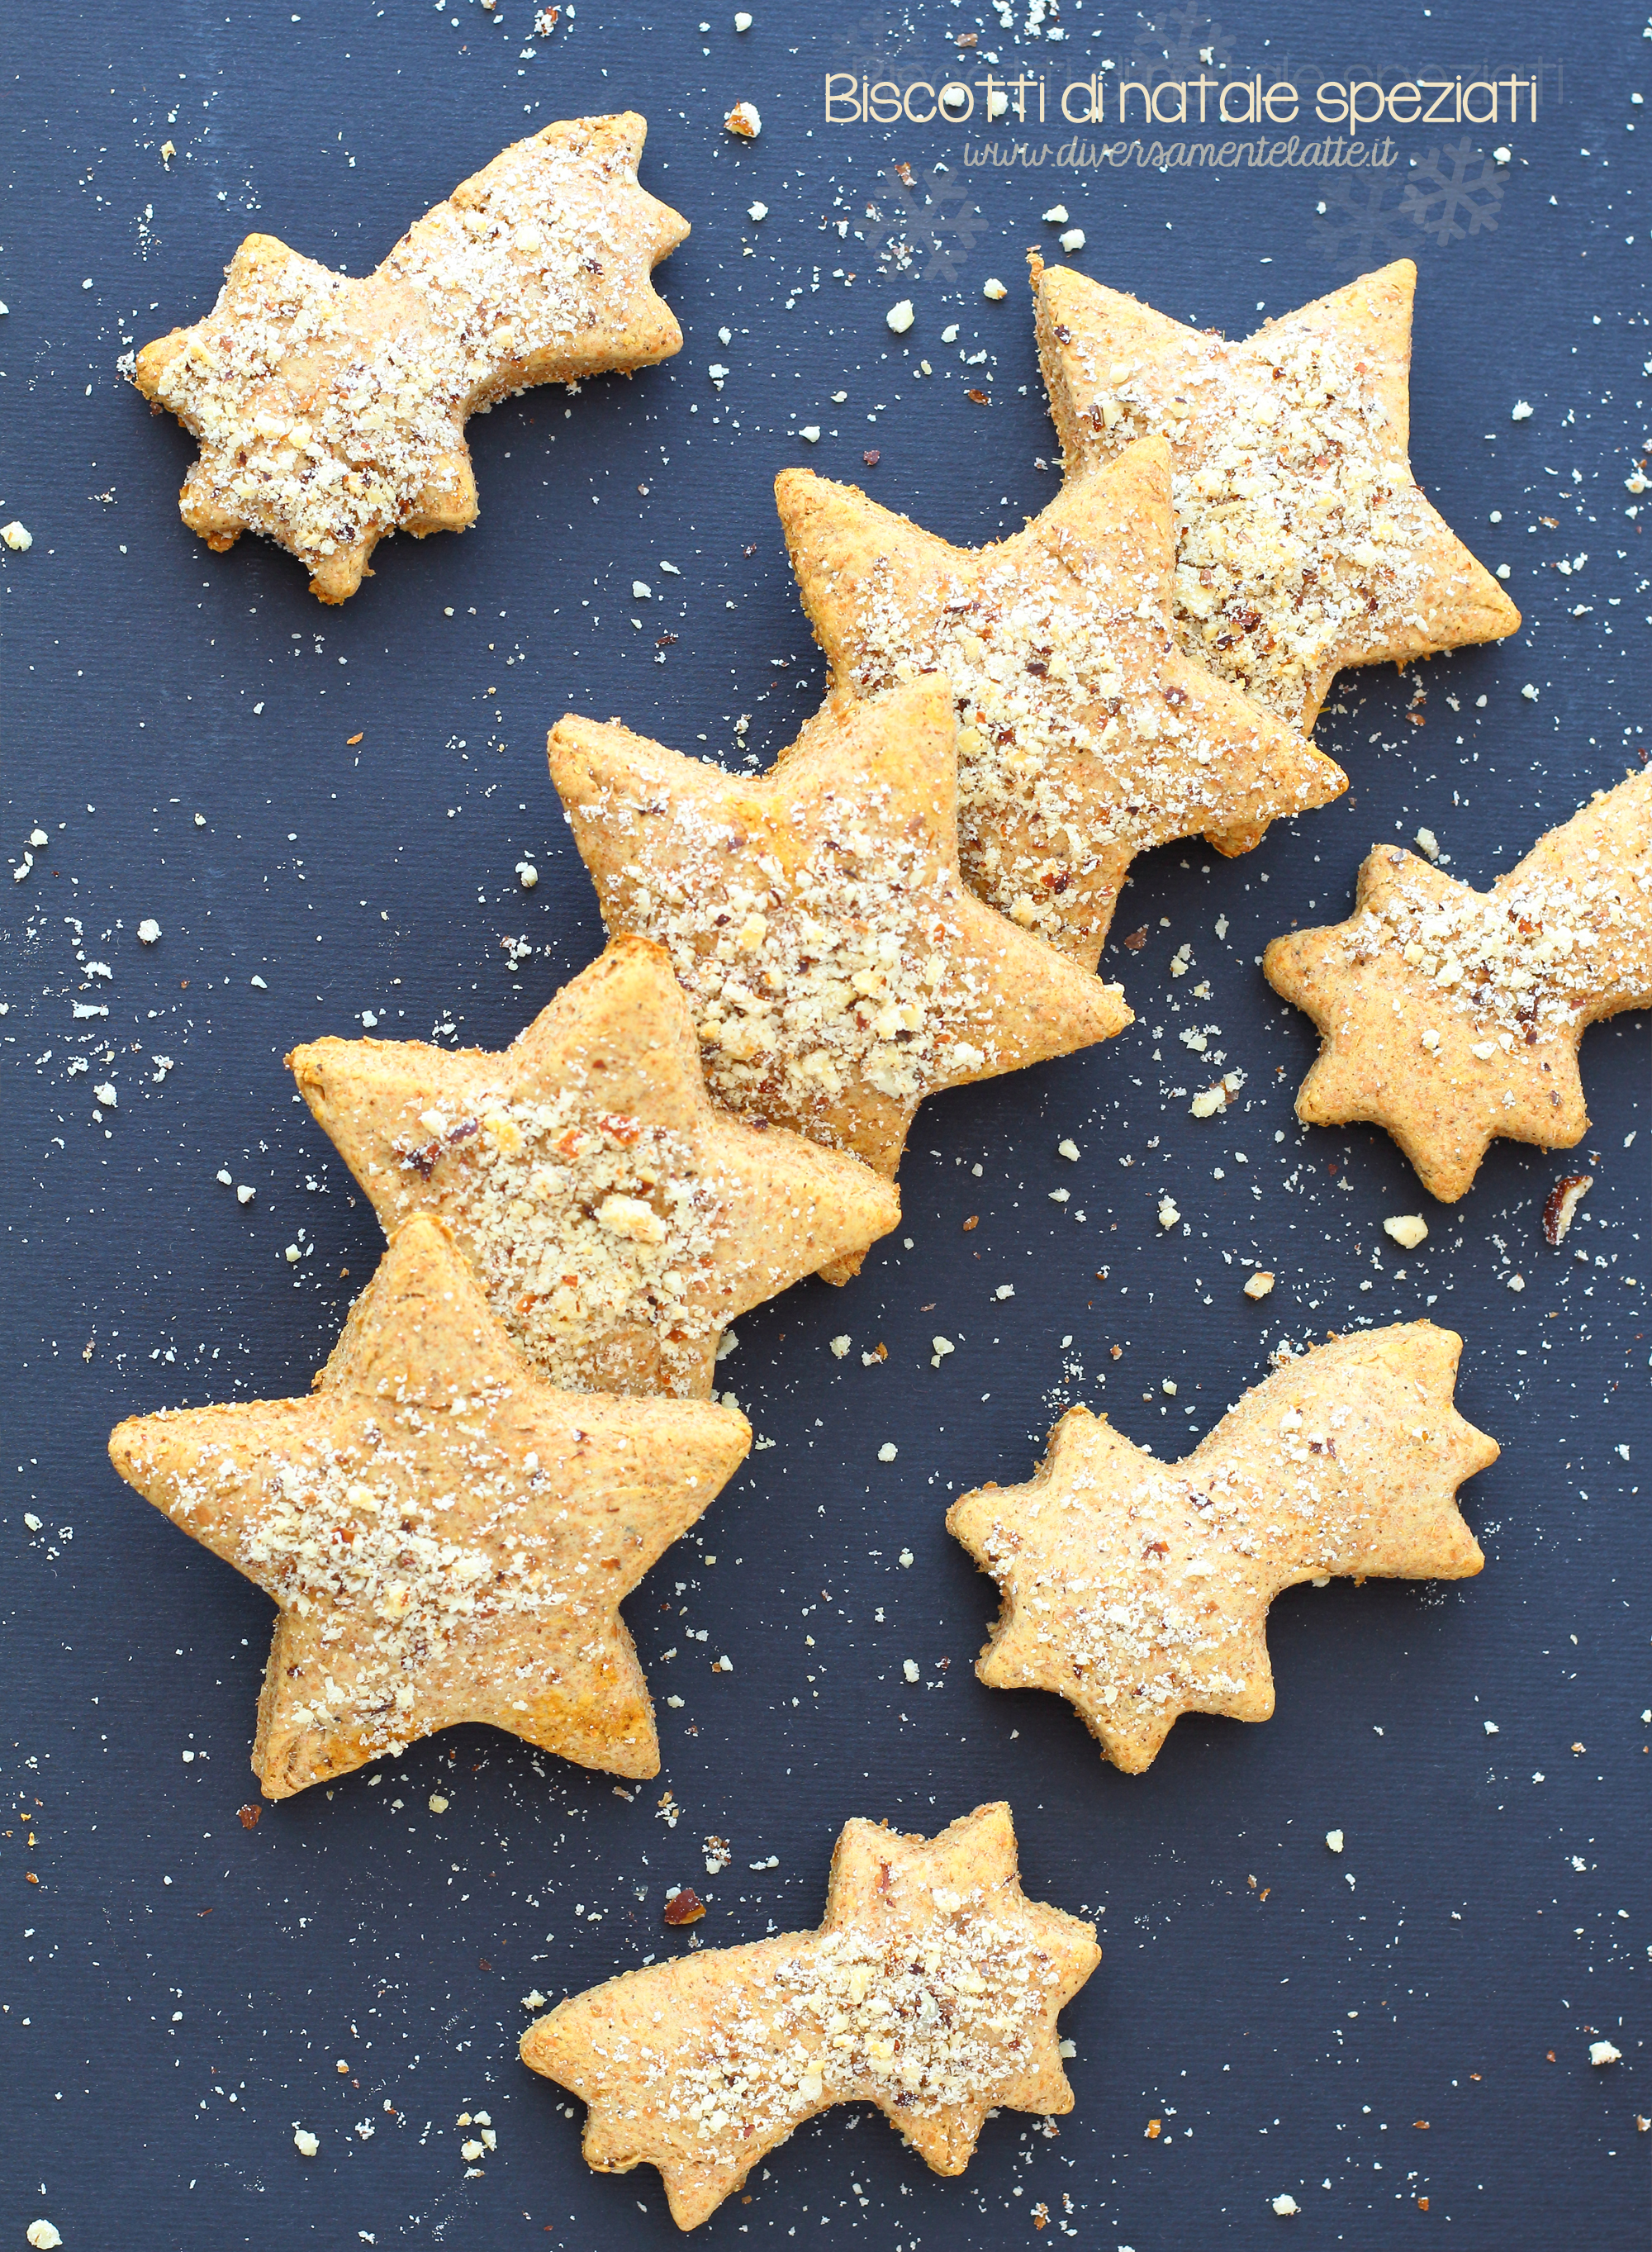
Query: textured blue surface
<point x="176" y="1992"/>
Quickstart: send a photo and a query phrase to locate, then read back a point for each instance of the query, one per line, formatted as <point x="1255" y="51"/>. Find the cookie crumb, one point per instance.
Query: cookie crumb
<point x="1408" y="1229"/>
<point x="744" y="120"/>
<point x="1260" y="1283"/>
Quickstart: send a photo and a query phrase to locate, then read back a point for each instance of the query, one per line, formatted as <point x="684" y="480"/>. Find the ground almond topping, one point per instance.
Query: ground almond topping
<point x="1295" y="536"/>
<point x="927" y="2019"/>
<point x="1040" y="679"/>
<point x="840" y="966"/>
<point x="582" y="1221"/>
<point x="327" y="408"/>
<point x="1521" y="959"/>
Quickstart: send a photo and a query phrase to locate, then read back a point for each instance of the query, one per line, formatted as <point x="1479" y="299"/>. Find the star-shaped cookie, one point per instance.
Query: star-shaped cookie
<point x="837" y="966"/>
<point x="1085" y="735"/>
<point x="931" y="1989"/>
<point x="1450" y="1016"/>
<point x="1139" y="1590"/>
<point x="1305" y="542"/>
<point x="617" y="1219"/>
<point x="330" y="412"/>
<point x="448" y="1537"/>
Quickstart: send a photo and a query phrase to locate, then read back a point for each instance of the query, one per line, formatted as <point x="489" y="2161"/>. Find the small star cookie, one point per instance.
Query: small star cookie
<point x="1451" y="1017"/>
<point x="838" y="967"/>
<point x="1085" y="736"/>
<point x="931" y="1989"/>
<point x="330" y="412"/>
<point x="448" y="1538"/>
<point x="1139" y="1590"/>
<point x="1305" y="542"/>
<point x="616" y="1218"/>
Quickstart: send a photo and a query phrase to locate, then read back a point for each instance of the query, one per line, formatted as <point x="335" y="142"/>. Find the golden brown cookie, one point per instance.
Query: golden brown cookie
<point x="332" y="413"/>
<point x="1451" y="1016"/>
<point x="931" y="1989"/>
<point x="616" y="1218"/>
<point x="1305" y="542"/>
<point x="837" y="966"/>
<point x="448" y="1539"/>
<point x="1139" y="1590"/>
<point x="1085" y="736"/>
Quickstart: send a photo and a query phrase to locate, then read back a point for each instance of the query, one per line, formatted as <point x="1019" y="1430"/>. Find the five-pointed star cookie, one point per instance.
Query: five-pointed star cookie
<point x="448" y="1537"/>
<point x="1450" y="1016"/>
<point x="331" y="412"/>
<point x="931" y="1989"/>
<point x="1085" y="735"/>
<point x="838" y="967"/>
<point x="1305" y="543"/>
<point x="616" y="1218"/>
<point x="1139" y="1590"/>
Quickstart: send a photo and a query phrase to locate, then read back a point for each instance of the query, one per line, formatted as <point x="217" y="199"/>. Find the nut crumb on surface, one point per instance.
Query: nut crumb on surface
<point x="1259" y="1284"/>
<point x="1408" y="1229"/>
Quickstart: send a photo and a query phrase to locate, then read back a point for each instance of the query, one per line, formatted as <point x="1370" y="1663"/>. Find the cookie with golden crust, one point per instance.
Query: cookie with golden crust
<point x="1305" y="543"/>
<point x="1450" y="1017"/>
<point x="330" y="412"/>
<point x="837" y="966"/>
<point x="448" y="1537"/>
<point x="1139" y="1590"/>
<point x="1085" y="735"/>
<point x="615" y="1217"/>
<point x="931" y="1989"/>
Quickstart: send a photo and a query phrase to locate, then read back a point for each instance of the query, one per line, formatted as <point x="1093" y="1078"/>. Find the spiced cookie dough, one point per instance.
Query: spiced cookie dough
<point x="1450" y="1017"/>
<point x="931" y="1989"/>
<point x="330" y="412"/>
<point x="1139" y="1590"/>
<point x="448" y="1538"/>
<point x="838" y="967"/>
<point x="616" y="1218"/>
<point x="1085" y="735"/>
<point x="1305" y="543"/>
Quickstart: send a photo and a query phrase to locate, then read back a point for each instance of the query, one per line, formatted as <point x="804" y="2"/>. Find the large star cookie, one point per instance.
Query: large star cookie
<point x="1450" y="1016"/>
<point x="616" y="1218"/>
<point x="1085" y="736"/>
<point x="1139" y="1590"/>
<point x="931" y="1989"/>
<point x="1305" y="542"/>
<point x="331" y="412"/>
<point x="448" y="1538"/>
<point x="838" y="967"/>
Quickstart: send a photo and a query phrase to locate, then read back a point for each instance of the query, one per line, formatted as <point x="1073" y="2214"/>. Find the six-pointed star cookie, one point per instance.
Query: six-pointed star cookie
<point x="1450" y="1016"/>
<point x="617" y="1219"/>
<point x="331" y="412"/>
<point x="931" y="1989"/>
<point x="1139" y="1590"/>
<point x="838" y="967"/>
<point x="1085" y="735"/>
<point x="1305" y="542"/>
<point x="448" y="1539"/>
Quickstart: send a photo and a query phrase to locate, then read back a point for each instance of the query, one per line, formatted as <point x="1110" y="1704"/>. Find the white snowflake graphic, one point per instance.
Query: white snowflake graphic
<point x="1359" y="227"/>
<point x="936" y="220"/>
<point x="1455" y="191"/>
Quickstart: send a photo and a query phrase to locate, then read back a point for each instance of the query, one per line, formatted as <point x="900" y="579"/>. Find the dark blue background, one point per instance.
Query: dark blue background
<point x="177" y="1990"/>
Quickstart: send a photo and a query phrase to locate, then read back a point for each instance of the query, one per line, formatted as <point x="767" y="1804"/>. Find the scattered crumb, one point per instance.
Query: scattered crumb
<point x="1408" y="1229"/>
<point x="1260" y="1283"/>
<point x="744" y="120"/>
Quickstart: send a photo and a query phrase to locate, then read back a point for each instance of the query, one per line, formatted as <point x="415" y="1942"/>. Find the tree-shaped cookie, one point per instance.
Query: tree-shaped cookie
<point x="616" y="1218"/>
<point x="1305" y="542"/>
<point x="332" y="412"/>
<point x="448" y="1539"/>
<point x="1085" y="735"/>
<point x="1451" y="1016"/>
<point x="838" y="967"/>
<point x="931" y="1989"/>
<point x="1139" y="1590"/>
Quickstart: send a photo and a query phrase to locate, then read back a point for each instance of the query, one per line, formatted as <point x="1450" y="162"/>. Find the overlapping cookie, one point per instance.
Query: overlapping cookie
<point x="1451" y="1017"/>
<point x="330" y="412"/>
<point x="1305" y="543"/>
<point x="931" y="1989"/>
<point x="1085" y="735"/>
<point x="1139" y="1590"/>
<point x="448" y="1538"/>
<point x="837" y="966"/>
<point x="616" y="1218"/>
